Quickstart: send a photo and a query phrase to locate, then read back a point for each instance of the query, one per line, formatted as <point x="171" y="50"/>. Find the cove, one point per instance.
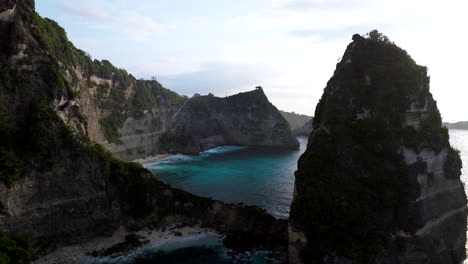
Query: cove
<point x="253" y="175"/>
<point x="202" y="249"/>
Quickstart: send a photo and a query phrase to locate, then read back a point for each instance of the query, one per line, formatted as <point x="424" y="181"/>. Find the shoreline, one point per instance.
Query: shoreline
<point x="77" y="254"/>
<point x="153" y="158"/>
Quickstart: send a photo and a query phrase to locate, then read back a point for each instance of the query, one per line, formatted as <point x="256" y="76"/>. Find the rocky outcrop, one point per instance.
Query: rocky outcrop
<point x="305" y="130"/>
<point x="203" y="122"/>
<point x="140" y="136"/>
<point x="135" y="118"/>
<point x="57" y="186"/>
<point x="243" y="119"/>
<point x="458" y="125"/>
<point x="379" y="181"/>
<point x="295" y="120"/>
<point x="127" y="115"/>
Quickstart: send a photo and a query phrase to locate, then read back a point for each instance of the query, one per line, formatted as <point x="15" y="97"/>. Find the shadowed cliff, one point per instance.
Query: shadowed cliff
<point x="57" y="186"/>
<point x="379" y="181"/>
<point x="242" y="119"/>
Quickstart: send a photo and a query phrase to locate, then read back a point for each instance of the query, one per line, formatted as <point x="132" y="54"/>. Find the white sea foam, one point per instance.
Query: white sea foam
<point x="166" y="245"/>
<point x="223" y="149"/>
<point x="187" y="158"/>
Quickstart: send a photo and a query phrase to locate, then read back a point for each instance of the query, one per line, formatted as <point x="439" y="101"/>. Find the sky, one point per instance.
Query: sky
<point x="289" y="47"/>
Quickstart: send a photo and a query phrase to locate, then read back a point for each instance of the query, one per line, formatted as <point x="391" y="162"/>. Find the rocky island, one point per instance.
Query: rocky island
<point x="458" y="125"/>
<point x="379" y="181"/>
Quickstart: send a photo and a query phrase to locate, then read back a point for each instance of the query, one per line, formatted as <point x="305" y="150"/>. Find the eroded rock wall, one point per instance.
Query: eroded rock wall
<point x="379" y="181"/>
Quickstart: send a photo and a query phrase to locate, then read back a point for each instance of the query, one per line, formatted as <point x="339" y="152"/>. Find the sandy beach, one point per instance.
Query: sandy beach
<point x="152" y="159"/>
<point x="77" y="254"/>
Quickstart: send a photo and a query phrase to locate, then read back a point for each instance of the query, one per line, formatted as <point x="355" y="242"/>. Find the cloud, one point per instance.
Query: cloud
<point x="307" y="5"/>
<point x="290" y="47"/>
<point x="328" y="35"/>
<point x="87" y="12"/>
<point x="225" y="78"/>
<point x="322" y="17"/>
<point x="130" y="23"/>
<point x="219" y="78"/>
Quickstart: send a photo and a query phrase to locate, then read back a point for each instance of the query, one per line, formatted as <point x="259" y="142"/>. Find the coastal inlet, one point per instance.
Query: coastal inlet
<point x="253" y="175"/>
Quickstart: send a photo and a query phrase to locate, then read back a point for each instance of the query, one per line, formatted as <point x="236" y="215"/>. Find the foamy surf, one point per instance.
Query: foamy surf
<point x="179" y="158"/>
<point x="164" y="245"/>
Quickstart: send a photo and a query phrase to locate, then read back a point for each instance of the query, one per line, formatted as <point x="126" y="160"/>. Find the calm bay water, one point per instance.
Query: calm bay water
<point x="253" y="175"/>
<point x="257" y="176"/>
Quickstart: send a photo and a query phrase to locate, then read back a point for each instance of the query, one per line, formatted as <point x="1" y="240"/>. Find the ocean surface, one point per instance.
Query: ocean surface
<point x="253" y="175"/>
<point x="459" y="141"/>
<point x="202" y="249"/>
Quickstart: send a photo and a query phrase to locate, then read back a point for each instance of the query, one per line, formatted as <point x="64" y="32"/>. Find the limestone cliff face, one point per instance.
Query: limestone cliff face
<point x="379" y="181"/>
<point x="53" y="188"/>
<point x="202" y="122"/>
<point x="243" y="119"/>
<point x="57" y="186"/>
<point x="305" y="130"/>
<point x="137" y="118"/>
<point x="140" y="136"/>
<point x="127" y="115"/>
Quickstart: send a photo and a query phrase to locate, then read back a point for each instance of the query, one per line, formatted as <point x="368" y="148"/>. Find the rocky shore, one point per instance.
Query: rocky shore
<point x="121" y="243"/>
<point x="153" y="159"/>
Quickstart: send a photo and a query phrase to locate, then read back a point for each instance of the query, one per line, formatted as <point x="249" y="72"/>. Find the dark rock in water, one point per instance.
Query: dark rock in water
<point x="189" y="255"/>
<point x="177" y="233"/>
<point x="379" y="181"/>
<point x="133" y="238"/>
<point x="132" y="241"/>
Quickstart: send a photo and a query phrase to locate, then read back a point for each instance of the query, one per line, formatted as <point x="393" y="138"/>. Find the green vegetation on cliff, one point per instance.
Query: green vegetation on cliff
<point x="110" y="96"/>
<point x="25" y="138"/>
<point x="352" y="177"/>
<point x="148" y="95"/>
<point x="246" y="118"/>
<point x="128" y="177"/>
<point x="295" y="120"/>
<point x="14" y="250"/>
<point x="66" y="188"/>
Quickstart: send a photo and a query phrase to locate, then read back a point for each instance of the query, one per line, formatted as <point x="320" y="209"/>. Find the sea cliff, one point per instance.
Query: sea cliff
<point x="58" y="185"/>
<point x="379" y="181"/>
<point x="242" y="119"/>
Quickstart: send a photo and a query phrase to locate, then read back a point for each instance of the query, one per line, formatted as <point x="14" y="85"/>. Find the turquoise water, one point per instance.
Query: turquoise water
<point x="193" y="250"/>
<point x="258" y="176"/>
<point x="253" y="175"/>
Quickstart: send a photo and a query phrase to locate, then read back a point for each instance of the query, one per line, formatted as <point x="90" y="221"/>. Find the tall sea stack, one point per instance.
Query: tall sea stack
<point x="379" y="181"/>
